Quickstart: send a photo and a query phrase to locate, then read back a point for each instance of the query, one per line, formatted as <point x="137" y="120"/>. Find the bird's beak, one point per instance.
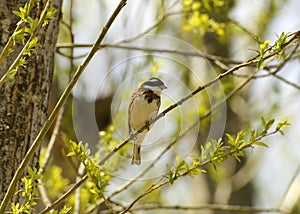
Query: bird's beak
<point x="163" y="87"/>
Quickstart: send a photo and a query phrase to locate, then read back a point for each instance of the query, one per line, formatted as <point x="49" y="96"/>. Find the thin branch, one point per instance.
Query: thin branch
<point x="216" y="207"/>
<point x="60" y="103"/>
<point x="214" y="58"/>
<point x="42" y="189"/>
<point x="275" y="73"/>
<point x="115" y="203"/>
<point x="64" y="196"/>
<point x="148" y="191"/>
<point x="150" y="28"/>
<point x="248" y="32"/>
<point x="287" y="82"/>
<point x="108" y="204"/>
<point x="278" y="68"/>
<point x="52" y="140"/>
<point x="43" y="193"/>
<point x="80" y="171"/>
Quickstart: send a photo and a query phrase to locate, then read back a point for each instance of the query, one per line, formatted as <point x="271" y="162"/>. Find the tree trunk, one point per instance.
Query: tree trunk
<point x="24" y="97"/>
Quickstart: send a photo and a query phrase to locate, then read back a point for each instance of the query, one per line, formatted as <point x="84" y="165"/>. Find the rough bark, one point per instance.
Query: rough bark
<point x="24" y="98"/>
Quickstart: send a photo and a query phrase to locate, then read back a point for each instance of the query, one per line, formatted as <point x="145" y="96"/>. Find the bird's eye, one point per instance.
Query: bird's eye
<point x="150" y="100"/>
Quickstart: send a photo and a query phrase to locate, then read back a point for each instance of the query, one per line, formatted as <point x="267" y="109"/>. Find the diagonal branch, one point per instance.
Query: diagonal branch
<point x="294" y="37"/>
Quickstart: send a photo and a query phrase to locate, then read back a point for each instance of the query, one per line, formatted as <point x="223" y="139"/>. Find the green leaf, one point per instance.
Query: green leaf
<point x="269" y="124"/>
<point x="196" y="172"/>
<point x="20" y="36"/>
<point x="230" y="139"/>
<point x="19" y="14"/>
<point x="22" y="62"/>
<point x="178" y="159"/>
<point x="70" y="154"/>
<point x="264" y="46"/>
<point x="33" y="44"/>
<point x="23" y="12"/>
<point x="281" y="132"/>
<point x="33" y="24"/>
<point x="65" y="210"/>
<point x="283" y="124"/>
<point x="263" y="121"/>
<point x="51" y="12"/>
<point x="11" y="73"/>
<point x="259" y="143"/>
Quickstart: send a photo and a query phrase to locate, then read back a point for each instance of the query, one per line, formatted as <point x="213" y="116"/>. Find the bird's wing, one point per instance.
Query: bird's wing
<point x="129" y="127"/>
<point x="129" y="115"/>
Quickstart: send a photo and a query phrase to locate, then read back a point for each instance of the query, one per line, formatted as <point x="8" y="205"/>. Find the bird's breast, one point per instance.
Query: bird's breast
<point x="143" y="108"/>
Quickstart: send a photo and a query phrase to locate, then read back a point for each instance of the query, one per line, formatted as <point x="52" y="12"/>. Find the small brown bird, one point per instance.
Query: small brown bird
<point x="144" y="105"/>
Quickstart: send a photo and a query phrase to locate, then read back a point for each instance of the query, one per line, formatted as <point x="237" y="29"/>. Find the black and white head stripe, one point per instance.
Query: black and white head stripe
<point x="154" y="82"/>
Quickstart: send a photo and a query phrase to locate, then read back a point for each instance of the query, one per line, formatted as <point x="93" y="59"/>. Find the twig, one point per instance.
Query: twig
<point x="253" y="36"/>
<point x="287" y="82"/>
<point x="214" y="58"/>
<point x="275" y="73"/>
<point x="80" y="171"/>
<point x="60" y="103"/>
<point x="151" y="189"/>
<point x="52" y="140"/>
<point x="42" y="189"/>
<point x="64" y="196"/>
<point x="107" y="202"/>
<point x="216" y="207"/>
<point x="43" y="193"/>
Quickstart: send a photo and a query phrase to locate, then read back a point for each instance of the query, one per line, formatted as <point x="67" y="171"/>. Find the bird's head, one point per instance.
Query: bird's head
<point x="154" y="84"/>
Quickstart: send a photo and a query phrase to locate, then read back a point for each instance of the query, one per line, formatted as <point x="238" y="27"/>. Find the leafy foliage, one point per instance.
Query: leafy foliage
<point x="25" y="32"/>
<point x="99" y="178"/>
<point x="277" y="48"/>
<point x="214" y="152"/>
<point x="263" y="47"/>
<point x="64" y="210"/>
<point x="30" y="192"/>
<point x="201" y="17"/>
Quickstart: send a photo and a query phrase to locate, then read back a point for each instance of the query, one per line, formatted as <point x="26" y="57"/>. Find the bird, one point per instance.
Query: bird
<point x="144" y="106"/>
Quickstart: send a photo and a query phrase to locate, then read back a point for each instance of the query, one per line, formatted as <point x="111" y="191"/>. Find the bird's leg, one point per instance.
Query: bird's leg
<point x="148" y="124"/>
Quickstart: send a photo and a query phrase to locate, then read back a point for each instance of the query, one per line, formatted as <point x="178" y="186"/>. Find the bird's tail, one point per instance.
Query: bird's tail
<point x="136" y="155"/>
